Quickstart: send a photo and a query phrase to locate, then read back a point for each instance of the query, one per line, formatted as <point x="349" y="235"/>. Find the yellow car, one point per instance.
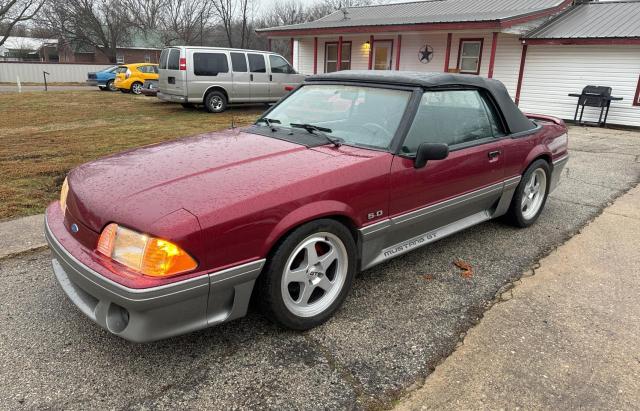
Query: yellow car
<point x="131" y="77"/>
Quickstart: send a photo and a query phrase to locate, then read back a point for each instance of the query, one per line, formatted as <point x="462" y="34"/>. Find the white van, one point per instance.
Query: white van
<point x="217" y="77"/>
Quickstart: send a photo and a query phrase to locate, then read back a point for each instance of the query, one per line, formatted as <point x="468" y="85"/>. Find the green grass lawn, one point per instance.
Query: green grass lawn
<point x="44" y="135"/>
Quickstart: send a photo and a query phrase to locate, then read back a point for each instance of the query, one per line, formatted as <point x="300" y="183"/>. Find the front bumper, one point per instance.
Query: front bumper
<point x="172" y="98"/>
<point x="149" y="314"/>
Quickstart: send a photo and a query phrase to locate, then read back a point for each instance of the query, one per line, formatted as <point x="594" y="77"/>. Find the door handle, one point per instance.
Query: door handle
<point x="270" y="77"/>
<point x="251" y="77"/>
<point x="494" y="154"/>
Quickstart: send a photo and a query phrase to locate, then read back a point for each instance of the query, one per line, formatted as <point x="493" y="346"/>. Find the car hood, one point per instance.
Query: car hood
<point x="196" y="174"/>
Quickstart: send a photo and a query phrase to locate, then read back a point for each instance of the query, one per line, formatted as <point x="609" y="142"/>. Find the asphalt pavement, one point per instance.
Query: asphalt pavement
<point x="401" y="319"/>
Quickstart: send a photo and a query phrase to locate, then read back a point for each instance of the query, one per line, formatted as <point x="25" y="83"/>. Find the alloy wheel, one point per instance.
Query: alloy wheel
<point x="314" y="274"/>
<point x="534" y="194"/>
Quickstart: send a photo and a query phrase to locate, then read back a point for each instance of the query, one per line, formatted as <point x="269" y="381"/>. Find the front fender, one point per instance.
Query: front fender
<point x="304" y="214"/>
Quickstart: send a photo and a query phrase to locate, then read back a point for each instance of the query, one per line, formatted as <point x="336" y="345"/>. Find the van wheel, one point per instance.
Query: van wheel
<point x="309" y="275"/>
<point x="215" y="102"/>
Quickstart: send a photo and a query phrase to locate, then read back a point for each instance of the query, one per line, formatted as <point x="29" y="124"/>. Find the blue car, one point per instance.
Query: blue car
<point x="103" y="79"/>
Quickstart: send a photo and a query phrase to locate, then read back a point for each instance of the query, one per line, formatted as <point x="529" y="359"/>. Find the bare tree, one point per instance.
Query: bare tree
<point x="184" y="21"/>
<point x="13" y="12"/>
<point x="225" y="11"/>
<point x="102" y="24"/>
<point x="146" y="14"/>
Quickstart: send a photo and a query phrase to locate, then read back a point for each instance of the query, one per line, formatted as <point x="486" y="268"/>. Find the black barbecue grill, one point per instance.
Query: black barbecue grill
<point x="594" y="96"/>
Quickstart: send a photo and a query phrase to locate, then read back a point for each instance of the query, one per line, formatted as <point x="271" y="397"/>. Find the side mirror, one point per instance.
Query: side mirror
<point x="430" y="151"/>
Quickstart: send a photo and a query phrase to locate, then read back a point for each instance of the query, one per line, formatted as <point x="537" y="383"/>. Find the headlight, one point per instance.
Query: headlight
<point x="64" y="192"/>
<point x="148" y="255"/>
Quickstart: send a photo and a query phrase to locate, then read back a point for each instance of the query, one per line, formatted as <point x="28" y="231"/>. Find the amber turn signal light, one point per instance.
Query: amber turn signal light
<point x="150" y="256"/>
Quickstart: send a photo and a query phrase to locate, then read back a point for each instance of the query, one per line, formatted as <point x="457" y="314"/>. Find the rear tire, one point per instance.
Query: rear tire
<point x="531" y="195"/>
<point x="215" y="102"/>
<point x="136" y="88"/>
<point x="308" y="276"/>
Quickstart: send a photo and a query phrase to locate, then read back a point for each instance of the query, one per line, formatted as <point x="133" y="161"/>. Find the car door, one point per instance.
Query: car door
<point x="173" y="74"/>
<point x="258" y="77"/>
<point x="448" y="195"/>
<point x="282" y="76"/>
<point x="241" y="78"/>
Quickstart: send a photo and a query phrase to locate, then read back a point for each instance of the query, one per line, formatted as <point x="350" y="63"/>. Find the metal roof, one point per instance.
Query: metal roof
<point x="615" y="19"/>
<point x="430" y="11"/>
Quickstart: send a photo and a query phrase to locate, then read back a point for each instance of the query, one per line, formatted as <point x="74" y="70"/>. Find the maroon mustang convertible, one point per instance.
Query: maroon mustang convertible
<point x="349" y="170"/>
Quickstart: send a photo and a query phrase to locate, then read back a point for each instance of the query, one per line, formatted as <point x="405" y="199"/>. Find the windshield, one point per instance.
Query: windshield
<point x="357" y="115"/>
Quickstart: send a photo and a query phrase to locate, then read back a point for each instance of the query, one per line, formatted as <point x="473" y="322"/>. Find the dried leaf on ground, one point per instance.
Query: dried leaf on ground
<point x="467" y="270"/>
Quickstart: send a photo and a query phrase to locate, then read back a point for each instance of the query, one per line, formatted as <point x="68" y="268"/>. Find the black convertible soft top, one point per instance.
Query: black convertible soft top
<point x="516" y="121"/>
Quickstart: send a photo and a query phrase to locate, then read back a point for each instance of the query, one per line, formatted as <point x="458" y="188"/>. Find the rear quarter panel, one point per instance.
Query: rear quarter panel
<point x="550" y="142"/>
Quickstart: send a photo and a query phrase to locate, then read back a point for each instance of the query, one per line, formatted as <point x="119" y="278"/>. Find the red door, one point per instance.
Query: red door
<point x="460" y="190"/>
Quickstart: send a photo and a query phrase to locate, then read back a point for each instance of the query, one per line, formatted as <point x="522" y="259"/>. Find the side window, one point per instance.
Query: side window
<point x="163" y="58"/>
<point x="452" y="117"/>
<point x="173" y="63"/>
<point x="257" y="63"/>
<point x="210" y="64"/>
<point x="279" y="65"/>
<point x="239" y="62"/>
<point x="154" y="69"/>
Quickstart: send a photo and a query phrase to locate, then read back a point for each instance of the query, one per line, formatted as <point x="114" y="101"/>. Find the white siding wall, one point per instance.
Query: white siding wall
<point x="32" y="72"/>
<point x="507" y="65"/>
<point x="411" y="45"/>
<point x="552" y="72"/>
<point x="507" y="54"/>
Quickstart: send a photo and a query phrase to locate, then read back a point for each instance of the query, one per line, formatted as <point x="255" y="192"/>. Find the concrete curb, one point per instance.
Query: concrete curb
<point x="22" y="235"/>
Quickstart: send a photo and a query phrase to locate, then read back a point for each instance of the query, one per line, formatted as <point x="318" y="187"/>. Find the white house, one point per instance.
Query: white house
<point x="541" y="50"/>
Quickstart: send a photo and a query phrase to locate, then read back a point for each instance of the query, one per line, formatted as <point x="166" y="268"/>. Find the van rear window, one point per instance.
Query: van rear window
<point x="173" y="63"/>
<point x="210" y="64"/>
<point x="163" y="58"/>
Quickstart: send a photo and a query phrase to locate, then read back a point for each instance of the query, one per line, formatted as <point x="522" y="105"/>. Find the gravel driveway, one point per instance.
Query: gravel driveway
<point x="400" y="320"/>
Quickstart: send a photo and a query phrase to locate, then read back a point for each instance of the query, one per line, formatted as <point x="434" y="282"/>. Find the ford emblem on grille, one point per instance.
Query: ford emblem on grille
<point x="74" y="228"/>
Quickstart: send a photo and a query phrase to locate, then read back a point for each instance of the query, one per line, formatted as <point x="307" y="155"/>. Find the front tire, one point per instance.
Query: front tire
<point x="531" y="195"/>
<point x="111" y="86"/>
<point x="309" y="275"/>
<point x="215" y="102"/>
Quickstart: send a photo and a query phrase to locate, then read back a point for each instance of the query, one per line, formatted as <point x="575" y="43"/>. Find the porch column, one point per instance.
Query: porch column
<point x="315" y="55"/>
<point x="339" y="63"/>
<point x="291" y="47"/>
<point x="269" y="44"/>
<point x="448" y="53"/>
<point x="398" y="52"/>
<point x="494" y="46"/>
<point x="523" y="58"/>
<point x="370" y="52"/>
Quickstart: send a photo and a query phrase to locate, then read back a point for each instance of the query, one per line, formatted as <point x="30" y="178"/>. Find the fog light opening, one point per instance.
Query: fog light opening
<point x="117" y="318"/>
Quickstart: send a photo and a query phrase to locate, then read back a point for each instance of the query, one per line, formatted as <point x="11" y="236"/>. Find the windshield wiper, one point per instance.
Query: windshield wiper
<point x="318" y="131"/>
<point x="269" y="122"/>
